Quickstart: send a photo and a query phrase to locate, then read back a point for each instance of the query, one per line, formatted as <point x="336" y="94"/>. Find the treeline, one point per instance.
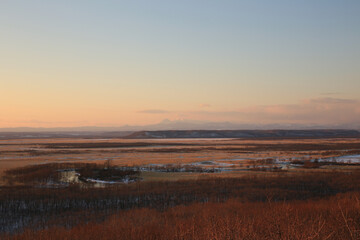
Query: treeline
<point x="331" y="219"/>
<point x="28" y="206"/>
<point x="52" y="173"/>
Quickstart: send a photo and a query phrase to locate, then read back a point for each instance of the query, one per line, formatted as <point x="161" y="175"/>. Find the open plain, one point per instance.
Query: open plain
<point x="58" y="188"/>
<point x="235" y="156"/>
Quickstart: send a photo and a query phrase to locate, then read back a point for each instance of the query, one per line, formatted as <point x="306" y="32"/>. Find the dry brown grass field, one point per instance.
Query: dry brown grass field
<point x="22" y="152"/>
<point x="180" y="188"/>
<point x="334" y="218"/>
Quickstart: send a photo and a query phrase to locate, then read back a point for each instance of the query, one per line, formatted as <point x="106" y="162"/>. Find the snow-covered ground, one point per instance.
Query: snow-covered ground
<point x="343" y="159"/>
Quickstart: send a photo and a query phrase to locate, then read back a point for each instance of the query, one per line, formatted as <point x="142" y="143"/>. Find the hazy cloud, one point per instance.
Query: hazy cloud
<point x="39" y="123"/>
<point x="318" y="111"/>
<point x="315" y="111"/>
<point x="330" y="93"/>
<point x="35" y="121"/>
<point x="205" y="105"/>
<point x="154" y="111"/>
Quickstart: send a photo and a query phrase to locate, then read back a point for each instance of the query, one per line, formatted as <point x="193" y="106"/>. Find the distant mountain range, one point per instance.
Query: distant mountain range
<point x="246" y="134"/>
<point x="323" y="133"/>
<point x="185" y="125"/>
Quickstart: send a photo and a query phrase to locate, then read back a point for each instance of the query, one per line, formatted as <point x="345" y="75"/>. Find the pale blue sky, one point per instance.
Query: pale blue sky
<point x="106" y="62"/>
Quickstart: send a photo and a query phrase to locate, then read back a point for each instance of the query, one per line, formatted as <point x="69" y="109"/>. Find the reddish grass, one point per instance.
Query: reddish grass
<point x="259" y="206"/>
<point x="334" y="218"/>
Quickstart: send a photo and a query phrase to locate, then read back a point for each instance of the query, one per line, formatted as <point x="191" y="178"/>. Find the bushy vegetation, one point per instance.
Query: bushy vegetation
<point x="51" y="173"/>
<point x="317" y="164"/>
<point x="178" y="168"/>
<point x="334" y="218"/>
<point x="42" y="208"/>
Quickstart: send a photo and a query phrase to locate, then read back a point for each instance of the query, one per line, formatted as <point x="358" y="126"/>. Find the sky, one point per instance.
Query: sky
<point x="110" y="63"/>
